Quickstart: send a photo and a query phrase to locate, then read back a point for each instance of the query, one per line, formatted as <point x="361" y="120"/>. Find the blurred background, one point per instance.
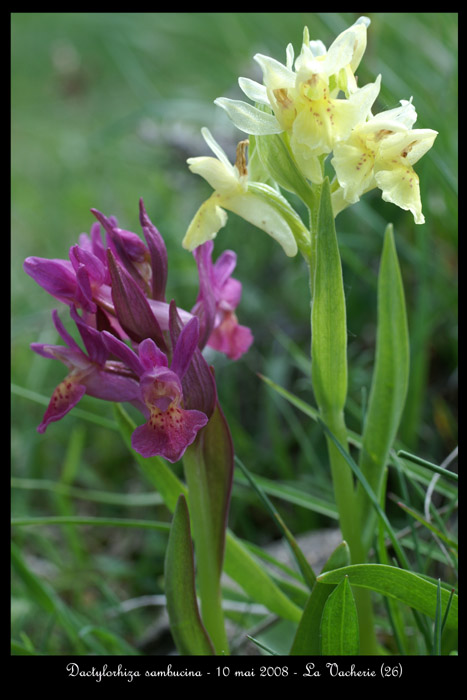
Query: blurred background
<point x="106" y="108"/>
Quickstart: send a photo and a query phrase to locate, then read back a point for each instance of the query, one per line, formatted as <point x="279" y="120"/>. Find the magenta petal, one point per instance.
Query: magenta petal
<point x="186" y="345"/>
<point x="151" y="356"/>
<point x="168" y="434"/>
<point x="66" y="395"/>
<point x="231" y="338"/>
<point x="123" y="352"/>
<point x="223" y="267"/>
<point x="55" y="276"/>
<point x="158" y="253"/>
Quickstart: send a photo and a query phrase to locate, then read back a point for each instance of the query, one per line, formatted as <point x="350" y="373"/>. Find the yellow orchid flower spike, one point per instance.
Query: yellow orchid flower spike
<point x="257" y="203"/>
<point x="381" y="153"/>
<point x="304" y="97"/>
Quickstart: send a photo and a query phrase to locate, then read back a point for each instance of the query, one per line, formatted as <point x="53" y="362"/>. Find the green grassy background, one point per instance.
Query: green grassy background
<point x="106" y="108"/>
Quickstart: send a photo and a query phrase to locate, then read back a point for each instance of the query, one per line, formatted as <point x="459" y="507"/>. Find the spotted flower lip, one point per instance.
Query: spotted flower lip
<point x="170" y="427"/>
<point x="137" y="347"/>
<point x="381" y="153"/>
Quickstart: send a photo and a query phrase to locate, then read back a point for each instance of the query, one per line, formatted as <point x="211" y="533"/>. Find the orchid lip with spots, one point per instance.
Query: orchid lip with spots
<point x="131" y="334"/>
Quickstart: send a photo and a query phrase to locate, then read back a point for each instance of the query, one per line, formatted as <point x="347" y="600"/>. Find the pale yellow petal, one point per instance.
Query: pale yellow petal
<point x="221" y="177"/>
<point x="205" y="224"/>
<point x="401" y="187"/>
<point x="353" y="163"/>
<point x="255" y="210"/>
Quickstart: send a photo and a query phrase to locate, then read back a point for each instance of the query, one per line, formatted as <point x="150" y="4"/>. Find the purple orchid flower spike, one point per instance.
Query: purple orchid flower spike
<point x="89" y="373"/>
<point x="170" y="427"/>
<point x="218" y="298"/>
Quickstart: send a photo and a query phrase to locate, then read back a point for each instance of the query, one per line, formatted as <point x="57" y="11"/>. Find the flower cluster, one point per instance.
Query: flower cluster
<point x="313" y="104"/>
<point x="139" y="348"/>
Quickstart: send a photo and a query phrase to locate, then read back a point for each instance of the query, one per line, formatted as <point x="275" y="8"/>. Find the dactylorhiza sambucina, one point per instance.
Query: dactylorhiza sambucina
<point x="306" y="112"/>
<point x="138" y="347"/>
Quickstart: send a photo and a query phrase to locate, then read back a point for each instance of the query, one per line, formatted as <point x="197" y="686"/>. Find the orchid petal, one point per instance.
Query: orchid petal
<point x="205" y="224"/>
<point x="185" y="347"/>
<point x="255" y="210"/>
<point x="249" y="119"/>
<point x="123" y="352"/>
<point x="216" y="173"/>
<point x="57" y="277"/>
<point x="401" y="187"/>
<point x="275" y="74"/>
<point x="231" y="338"/>
<point x="168" y="433"/>
<point x="158" y="253"/>
<point x="65" y="396"/>
<point x="254" y="91"/>
<point x="216" y="148"/>
<point x="151" y="356"/>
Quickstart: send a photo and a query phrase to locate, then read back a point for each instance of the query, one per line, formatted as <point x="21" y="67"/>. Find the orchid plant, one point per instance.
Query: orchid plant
<point x="310" y="131"/>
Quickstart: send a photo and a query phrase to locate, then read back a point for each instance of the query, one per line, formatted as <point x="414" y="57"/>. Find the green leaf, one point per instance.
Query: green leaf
<point x="307" y="636"/>
<point x="187" y="629"/>
<point x="328" y="314"/>
<point x="213" y="454"/>
<point x="208" y="465"/>
<point x="238" y="562"/>
<point x="415" y="471"/>
<point x="255" y="581"/>
<point x="368" y="490"/>
<point x="305" y="568"/>
<point x="339" y="624"/>
<point x="403" y="585"/>
<point x="67" y="520"/>
<point x="389" y="382"/>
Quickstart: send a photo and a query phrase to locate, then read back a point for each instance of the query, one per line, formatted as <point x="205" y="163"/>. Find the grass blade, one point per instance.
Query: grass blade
<point x="307" y="572"/>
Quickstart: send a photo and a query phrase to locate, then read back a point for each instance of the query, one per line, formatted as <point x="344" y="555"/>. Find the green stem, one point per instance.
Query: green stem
<point x="208" y="573"/>
<point x="331" y="406"/>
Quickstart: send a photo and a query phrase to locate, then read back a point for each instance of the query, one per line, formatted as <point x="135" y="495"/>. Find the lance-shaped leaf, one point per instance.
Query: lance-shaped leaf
<point x="403" y="585"/>
<point x="328" y="316"/>
<point x="339" y="624"/>
<point x="208" y="465"/>
<point x="389" y="382"/>
<point x="307" y="637"/>
<point x="187" y="629"/>
<point x="132" y="308"/>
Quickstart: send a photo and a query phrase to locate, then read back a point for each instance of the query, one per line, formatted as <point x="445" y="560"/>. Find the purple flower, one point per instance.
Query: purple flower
<point x="120" y="286"/>
<point x="139" y="348"/>
<point x="219" y="296"/>
<point x="170" y="427"/>
<point x="90" y="373"/>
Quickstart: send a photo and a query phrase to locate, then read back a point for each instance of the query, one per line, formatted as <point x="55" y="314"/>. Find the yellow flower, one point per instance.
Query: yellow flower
<point x="303" y="97"/>
<point x="380" y="153"/>
<point x="257" y="203"/>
